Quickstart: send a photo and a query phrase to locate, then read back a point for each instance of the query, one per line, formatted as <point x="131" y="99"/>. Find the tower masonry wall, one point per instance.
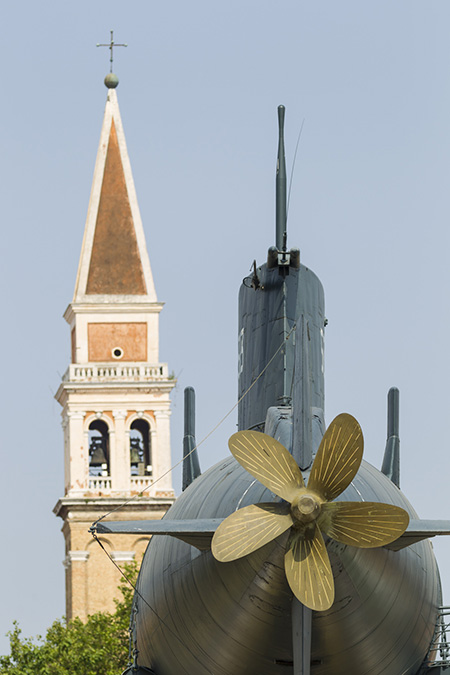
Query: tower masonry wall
<point x="92" y="579"/>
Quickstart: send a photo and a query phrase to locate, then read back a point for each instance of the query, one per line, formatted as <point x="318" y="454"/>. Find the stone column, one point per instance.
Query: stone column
<point x="153" y="447"/>
<point x="120" y="459"/>
<point x="87" y="459"/>
<point x="65" y="427"/>
<point x="162" y="458"/>
<point x="76" y="471"/>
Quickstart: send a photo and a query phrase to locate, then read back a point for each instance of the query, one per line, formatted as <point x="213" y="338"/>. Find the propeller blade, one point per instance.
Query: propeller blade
<point x="248" y="529"/>
<point x="308" y="569"/>
<point x="363" y="524"/>
<point x="338" y="458"/>
<point x="268" y="461"/>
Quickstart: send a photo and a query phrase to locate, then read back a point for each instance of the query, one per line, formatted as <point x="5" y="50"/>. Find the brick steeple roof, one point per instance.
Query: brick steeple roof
<point x="114" y="264"/>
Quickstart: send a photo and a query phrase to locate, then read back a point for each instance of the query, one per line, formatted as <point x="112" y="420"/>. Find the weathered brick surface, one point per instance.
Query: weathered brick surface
<point x="130" y="337"/>
<point x="91" y="577"/>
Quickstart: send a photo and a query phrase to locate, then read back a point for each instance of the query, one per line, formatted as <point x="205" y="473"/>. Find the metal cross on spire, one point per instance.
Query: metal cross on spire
<point x="111" y="46"/>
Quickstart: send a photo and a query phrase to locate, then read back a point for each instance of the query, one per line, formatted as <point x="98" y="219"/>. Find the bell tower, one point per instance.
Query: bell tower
<point x="115" y="393"/>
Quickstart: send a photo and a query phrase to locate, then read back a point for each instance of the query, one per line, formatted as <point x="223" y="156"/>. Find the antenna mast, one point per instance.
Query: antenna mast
<point x="281" y="234"/>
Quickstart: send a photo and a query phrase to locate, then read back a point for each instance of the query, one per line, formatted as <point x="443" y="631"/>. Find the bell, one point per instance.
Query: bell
<point x="98" y="456"/>
<point x="135" y="457"/>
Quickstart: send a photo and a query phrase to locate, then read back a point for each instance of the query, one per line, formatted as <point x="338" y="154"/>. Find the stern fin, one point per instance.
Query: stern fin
<point x="391" y="459"/>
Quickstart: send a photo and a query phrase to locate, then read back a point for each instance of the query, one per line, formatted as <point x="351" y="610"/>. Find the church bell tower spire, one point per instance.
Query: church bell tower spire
<point x="115" y="393"/>
<point x="114" y="262"/>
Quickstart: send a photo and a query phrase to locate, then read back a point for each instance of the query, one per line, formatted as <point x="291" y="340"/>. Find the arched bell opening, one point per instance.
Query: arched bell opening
<point x="140" y="448"/>
<point x="98" y="448"/>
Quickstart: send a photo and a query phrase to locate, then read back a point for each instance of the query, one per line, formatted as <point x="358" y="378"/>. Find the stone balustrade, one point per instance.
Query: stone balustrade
<point x="104" y="484"/>
<point x="103" y="372"/>
<point x="139" y="483"/>
<point x="100" y="483"/>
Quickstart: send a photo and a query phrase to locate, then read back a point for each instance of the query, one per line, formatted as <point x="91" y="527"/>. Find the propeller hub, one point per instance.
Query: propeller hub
<point x="305" y="508"/>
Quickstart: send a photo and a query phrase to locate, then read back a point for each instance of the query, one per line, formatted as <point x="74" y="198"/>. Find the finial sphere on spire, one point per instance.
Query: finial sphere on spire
<point x="111" y="81"/>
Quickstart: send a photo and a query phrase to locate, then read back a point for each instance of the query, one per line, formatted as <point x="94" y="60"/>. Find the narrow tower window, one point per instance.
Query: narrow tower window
<point x="140" y="449"/>
<point x="98" y="448"/>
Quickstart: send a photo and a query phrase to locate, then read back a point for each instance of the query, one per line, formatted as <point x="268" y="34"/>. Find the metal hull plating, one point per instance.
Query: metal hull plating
<point x="266" y="317"/>
<point x="235" y="618"/>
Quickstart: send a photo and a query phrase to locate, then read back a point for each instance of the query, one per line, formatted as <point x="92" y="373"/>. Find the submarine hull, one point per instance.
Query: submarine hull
<point x="196" y="615"/>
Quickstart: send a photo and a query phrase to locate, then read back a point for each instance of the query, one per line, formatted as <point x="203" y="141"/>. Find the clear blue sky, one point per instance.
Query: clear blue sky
<point x="199" y="87"/>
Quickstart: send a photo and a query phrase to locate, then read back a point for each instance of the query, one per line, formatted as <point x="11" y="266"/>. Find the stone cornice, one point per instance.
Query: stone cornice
<point x="112" y="304"/>
<point x="141" y="506"/>
<point x="149" y="387"/>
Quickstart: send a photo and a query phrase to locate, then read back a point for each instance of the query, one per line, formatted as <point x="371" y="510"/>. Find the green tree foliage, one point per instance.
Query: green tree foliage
<point x="97" y="647"/>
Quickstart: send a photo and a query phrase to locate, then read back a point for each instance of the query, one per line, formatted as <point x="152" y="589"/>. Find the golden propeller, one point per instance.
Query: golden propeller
<point x="308" y="511"/>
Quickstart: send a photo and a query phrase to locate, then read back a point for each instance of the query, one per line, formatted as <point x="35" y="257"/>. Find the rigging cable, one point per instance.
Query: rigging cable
<point x="293" y="167"/>
<point x="139" y="594"/>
